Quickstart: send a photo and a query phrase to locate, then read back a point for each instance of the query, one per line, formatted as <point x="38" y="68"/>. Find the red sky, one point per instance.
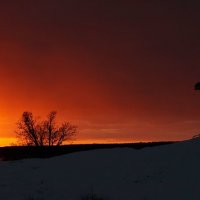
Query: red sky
<point x="120" y="70"/>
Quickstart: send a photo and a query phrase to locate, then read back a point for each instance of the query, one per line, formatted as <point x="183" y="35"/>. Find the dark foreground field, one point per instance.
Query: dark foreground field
<point x="21" y="152"/>
<point x="155" y="173"/>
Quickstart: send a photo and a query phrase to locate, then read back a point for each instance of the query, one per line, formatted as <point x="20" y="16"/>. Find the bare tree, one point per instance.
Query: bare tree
<point x="50" y="128"/>
<point x="27" y="129"/>
<point x="39" y="133"/>
<point x="65" y="132"/>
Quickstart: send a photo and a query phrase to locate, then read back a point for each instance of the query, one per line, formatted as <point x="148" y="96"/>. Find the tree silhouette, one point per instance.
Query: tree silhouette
<point x="50" y="128"/>
<point x="33" y="132"/>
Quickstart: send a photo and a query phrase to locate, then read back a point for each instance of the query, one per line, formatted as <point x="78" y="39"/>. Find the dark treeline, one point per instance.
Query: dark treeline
<point x="22" y="152"/>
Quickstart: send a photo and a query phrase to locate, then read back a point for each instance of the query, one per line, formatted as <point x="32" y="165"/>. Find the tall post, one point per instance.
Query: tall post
<point x="197" y="86"/>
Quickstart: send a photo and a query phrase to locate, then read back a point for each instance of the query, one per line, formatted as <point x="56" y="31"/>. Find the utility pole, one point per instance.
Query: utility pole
<point x="197" y="86"/>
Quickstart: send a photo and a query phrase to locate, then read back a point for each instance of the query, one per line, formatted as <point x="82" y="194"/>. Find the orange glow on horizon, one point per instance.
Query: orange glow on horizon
<point x="12" y="141"/>
<point x="117" y="72"/>
<point x="7" y="141"/>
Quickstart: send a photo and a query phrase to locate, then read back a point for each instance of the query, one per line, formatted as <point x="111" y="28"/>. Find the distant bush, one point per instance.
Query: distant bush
<point x="33" y="198"/>
<point x="91" y="196"/>
<point x="196" y="136"/>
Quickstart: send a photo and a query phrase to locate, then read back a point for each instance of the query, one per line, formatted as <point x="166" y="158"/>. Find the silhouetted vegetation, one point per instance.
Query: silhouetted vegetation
<point x="33" y="132"/>
<point x="196" y="136"/>
<point x="91" y="196"/>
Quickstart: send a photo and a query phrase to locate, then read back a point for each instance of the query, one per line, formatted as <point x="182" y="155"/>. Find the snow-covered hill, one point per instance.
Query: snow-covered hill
<point x="170" y="172"/>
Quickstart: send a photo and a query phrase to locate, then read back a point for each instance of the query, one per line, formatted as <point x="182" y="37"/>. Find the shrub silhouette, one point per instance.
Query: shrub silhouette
<point x="32" y="132"/>
<point x="91" y="196"/>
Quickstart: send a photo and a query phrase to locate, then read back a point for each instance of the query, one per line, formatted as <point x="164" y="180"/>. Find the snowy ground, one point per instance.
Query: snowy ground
<point x="170" y="172"/>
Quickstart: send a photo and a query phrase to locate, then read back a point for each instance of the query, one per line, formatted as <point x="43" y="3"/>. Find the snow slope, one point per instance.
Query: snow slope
<point x="159" y="173"/>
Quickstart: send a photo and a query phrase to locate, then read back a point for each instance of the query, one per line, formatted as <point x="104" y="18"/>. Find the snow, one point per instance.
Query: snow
<point x="164" y="172"/>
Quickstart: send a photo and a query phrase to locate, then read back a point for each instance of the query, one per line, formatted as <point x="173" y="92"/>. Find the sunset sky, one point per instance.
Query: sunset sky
<point x="122" y="70"/>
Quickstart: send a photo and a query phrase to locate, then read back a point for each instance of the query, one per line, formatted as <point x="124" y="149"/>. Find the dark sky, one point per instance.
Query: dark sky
<point x="121" y="70"/>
